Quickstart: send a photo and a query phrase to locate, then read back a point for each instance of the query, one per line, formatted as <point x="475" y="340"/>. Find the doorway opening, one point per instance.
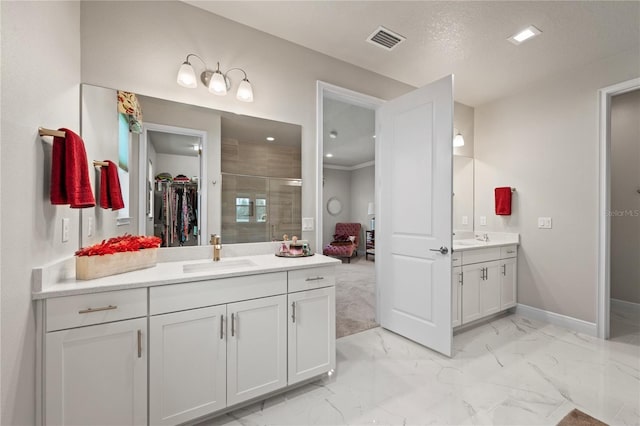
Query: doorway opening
<point x="173" y="169"/>
<point x="346" y="201"/>
<point x="609" y="205"/>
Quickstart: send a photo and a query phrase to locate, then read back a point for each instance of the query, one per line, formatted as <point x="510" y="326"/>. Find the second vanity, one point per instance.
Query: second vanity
<point x="484" y="277"/>
<point x="181" y="341"/>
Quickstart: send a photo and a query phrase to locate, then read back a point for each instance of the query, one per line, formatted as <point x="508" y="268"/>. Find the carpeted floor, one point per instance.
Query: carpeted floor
<point x="355" y="296"/>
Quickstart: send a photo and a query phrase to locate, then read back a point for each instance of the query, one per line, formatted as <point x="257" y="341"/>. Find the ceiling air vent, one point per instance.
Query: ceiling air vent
<point x="385" y="38"/>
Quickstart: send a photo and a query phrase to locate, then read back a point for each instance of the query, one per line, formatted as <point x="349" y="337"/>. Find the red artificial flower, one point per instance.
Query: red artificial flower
<point x="120" y="244"/>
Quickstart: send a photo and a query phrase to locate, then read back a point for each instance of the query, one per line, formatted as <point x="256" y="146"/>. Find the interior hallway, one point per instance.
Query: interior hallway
<point x="509" y="371"/>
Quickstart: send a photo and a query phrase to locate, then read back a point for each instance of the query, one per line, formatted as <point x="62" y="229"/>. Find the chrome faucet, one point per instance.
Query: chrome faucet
<point x="485" y="237"/>
<point x="217" y="246"/>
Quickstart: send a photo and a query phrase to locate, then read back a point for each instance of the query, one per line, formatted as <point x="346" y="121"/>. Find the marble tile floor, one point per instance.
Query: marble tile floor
<point x="511" y="371"/>
<point x="624" y="324"/>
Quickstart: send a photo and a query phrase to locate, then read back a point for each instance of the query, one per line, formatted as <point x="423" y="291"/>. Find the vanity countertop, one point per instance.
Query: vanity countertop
<point x="495" y="240"/>
<point x="50" y="281"/>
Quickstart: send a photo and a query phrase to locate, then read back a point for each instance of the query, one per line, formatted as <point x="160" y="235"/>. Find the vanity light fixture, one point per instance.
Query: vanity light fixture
<point x="524" y="35"/>
<point x="458" y="140"/>
<point x="333" y="134"/>
<point x="216" y="81"/>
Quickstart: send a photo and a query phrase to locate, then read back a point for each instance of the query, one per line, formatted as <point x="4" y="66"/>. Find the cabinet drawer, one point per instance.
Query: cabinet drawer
<point x="308" y="279"/>
<point x="508" y="251"/>
<point x="456" y="259"/>
<point x="180" y="297"/>
<point x="480" y="255"/>
<point x="87" y="309"/>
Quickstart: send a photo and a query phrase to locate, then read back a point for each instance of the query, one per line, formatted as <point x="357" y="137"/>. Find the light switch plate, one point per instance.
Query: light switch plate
<point x="65" y="229"/>
<point x="307" y="224"/>
<point x="465" y="220"/>
<point x="483" y="220"/>
<point x="544" y="223"/>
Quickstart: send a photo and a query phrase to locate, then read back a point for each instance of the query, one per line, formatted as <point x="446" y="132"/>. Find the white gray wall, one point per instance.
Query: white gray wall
<point x="362" y="193"/>
<point x="178" y="164"/>
<point x="337" y="183"/>
<point x="283" y="74"/>
<point x="625" y="200"/>
<point x="544" y="141"/>
<point x="463" y="121"/>
<point x="40" y="79"/>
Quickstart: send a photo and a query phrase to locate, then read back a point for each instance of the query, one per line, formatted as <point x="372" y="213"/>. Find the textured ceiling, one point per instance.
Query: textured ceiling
<point x="467" y="39"/>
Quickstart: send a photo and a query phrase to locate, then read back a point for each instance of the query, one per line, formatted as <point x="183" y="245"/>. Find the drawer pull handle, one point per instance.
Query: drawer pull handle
<point x="315" y="279"/>
<point x="139" y="343"/>
<point x="510" y="251"/>
<point x="104" y="308"/>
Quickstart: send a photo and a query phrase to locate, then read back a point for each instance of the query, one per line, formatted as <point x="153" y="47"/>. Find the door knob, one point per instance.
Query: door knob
<point x="442" y="250"/>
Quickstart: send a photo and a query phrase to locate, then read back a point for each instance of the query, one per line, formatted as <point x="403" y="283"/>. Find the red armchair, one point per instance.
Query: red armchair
<point x="343" y="246"/>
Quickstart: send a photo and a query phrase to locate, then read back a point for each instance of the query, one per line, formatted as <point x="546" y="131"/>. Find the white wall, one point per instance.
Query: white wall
<point x="544" y="141"/>
<point x="362" y="193"/>
<point x="337" y="183"/>
<point x="40" y="62"/>
<point x="178" y="164"/>
<point x="283" y="74"/>
<point x="625" y="200"/>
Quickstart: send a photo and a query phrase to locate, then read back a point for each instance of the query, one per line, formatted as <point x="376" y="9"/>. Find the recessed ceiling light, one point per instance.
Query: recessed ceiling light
<point x="374" y="136"/>
<point x="524" y="35"/>
<point x="271" y="138"/>
<point x="329" y="155"/>
<point x="333" y="134"/>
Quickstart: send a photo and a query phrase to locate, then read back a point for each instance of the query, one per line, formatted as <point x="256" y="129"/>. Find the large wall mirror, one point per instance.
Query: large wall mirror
<point x="462" y="194"/>
<point x="193" y="171"/>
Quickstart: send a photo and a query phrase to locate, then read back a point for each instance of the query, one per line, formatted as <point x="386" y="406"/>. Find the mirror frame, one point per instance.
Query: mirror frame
<point x="142" y="176"/>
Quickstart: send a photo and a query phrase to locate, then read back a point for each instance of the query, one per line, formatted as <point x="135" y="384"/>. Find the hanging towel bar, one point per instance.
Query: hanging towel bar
<point x="50" y="132"/>
<point x="97" y="163"/>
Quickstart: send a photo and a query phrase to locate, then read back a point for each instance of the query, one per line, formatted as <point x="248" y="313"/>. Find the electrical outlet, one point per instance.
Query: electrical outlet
<point x="465" y="220"/>
<point x="65" y="229"/>
<point x="307" y="224"/>
<point x="89" y="226"/>
<point x="483" y="220"/>
<point x="544" y="223"/>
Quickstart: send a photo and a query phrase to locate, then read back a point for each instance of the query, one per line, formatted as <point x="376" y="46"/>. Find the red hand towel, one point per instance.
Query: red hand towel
<point x="70" y="182"/>
<point x="503" y="200"/>
<point x="110" y="192"/>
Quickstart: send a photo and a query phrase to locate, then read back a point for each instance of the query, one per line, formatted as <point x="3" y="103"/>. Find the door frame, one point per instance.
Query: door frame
<point x="604" y="202"/>
<point x="202" y="179"/>
<point x="344" y="95"/>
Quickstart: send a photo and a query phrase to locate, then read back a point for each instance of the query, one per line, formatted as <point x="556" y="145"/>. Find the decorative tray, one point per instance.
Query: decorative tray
<point x="293" y="255"/>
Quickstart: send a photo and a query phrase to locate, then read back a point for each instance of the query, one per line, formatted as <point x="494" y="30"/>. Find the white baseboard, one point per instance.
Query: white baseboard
<point x="560" y="320"/>
<point x="624" y="305"/>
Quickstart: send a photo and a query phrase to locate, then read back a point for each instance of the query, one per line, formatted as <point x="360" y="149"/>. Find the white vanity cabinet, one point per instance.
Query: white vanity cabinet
<point x="486" y="283"/>
<point x="95" y="374"/>
<point x="213" y="344"/>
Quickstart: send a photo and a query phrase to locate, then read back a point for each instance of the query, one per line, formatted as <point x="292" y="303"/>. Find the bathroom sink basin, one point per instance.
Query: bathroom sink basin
<point x="222" y="265"/>
<point x="468" y="243"/>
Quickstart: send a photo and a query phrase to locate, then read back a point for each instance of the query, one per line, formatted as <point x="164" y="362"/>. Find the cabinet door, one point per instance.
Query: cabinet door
<point x="312" y="333"/>
<point x="508" y="287"/>
<point x="256" y="347"/>
<point x="471" y="287"/>
<point x="490" y="288"/>
<point x="456" y="296"/>
<point x="187" y="365"/>
<point x="97" y="375"/>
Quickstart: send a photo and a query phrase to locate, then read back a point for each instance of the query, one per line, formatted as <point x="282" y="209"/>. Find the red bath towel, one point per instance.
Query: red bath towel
<point x="110" y="192"/>
<point x="70" y="182"/>
<point x="503" y="200"/>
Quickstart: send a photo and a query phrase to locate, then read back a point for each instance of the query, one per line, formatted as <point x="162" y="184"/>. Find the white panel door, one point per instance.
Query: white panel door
<point x="97" y="375"/>
<point x="415" y="133"/>
<point x="187" y="365"/>
<point x="312" y="333"/>
<point x="490" y="288"/>
<point x="508" y="282"/>
<point x="456" y="296"/>
<point x="256" y="348"/>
